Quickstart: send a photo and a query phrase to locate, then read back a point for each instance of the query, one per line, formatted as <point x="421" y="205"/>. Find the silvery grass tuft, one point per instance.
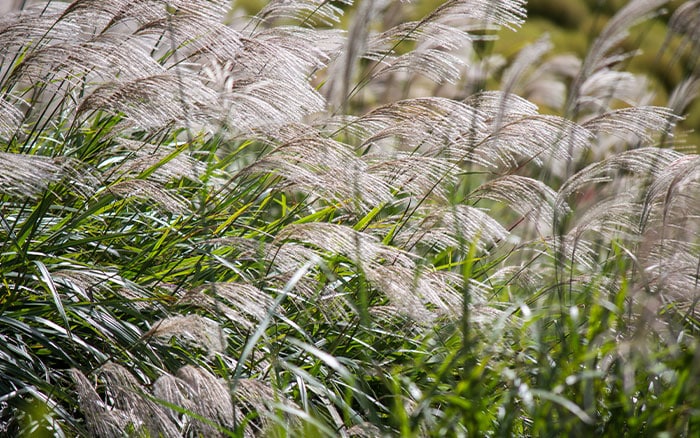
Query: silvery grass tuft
<point x="215" y="224"/>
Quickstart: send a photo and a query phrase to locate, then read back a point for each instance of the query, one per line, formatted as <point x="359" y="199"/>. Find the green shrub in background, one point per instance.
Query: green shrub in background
<point x="218" y="224"/>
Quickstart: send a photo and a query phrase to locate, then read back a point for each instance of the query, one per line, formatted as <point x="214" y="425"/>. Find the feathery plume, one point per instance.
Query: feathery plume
<point x="498" y="105"/>
<point x="393" y="272"/>
<point x="256" y="396"/>
<point x="533" y="139"/>
<point x="432" y="124"/>
<point x="143" y="12"/>
<point x="684" y="94"/>
<point x="674" y="195"/>
<point x="267" y="105"/>
<point x="613" y="217"/>
<point x="311" y="13"/>
<point x="150" y="191"/>
<point x="670" y="270"/>
<point x="483" y="13"/>
<point x="616" y="30"/>
<point x="200" y="331"/>
<point x="643" y="162"/>
<point x="38" y="25"/>
<point x="451" y="227"/>
<point x="326" y="167"/>
<point x="167" y="162"/>
<point x="517" y="275"/>
<point x="104" y="58"/>
<point x="176" y="391"/>
<point x="414" y="175"/>
<point x="435" y="64"/>
<point x="27" y="175"/>
<point x="30" y="175"/>
<point x="523" y="62"/>
<point x="248" y="298"/>
<point x="152" y="102"/>
<point x="335" y="239"/>
<point x="10" y="116"/>
<point x="209" y="397"/>
<point x="398" y="283"/>
<point x="637" y="122"/>
<point x="243" y="304"/>
<point x="100" y="419"/>
<point x="129" y="396"/>
<point x="219" y="43"/>
<point x="548" y="83"/>
<point x="87" y="283"/>
<point x="602" y="88"/>
<point x="686" y="21"/>
<point x="530" y="198"/>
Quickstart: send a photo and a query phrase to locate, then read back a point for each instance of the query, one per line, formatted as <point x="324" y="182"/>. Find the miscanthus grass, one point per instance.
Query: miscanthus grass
<point x="214" y="224"/>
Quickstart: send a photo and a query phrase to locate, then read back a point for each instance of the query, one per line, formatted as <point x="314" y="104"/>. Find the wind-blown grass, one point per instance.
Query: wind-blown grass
<point x="222" y="225"/>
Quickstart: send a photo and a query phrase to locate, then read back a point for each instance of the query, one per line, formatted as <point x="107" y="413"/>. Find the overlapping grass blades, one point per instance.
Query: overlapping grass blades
<point x="222" y="225"/>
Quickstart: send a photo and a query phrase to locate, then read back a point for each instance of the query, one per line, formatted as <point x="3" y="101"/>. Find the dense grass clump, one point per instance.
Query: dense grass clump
<point x="217" y="224"/>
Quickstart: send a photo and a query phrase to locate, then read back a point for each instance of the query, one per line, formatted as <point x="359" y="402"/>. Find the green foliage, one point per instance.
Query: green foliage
<point x="267" y="227"/>
<point x="566" y="14"/>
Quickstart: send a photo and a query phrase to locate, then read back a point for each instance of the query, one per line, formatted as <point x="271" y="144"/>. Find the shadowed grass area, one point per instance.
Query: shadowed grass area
<point x="213" y="224"/>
